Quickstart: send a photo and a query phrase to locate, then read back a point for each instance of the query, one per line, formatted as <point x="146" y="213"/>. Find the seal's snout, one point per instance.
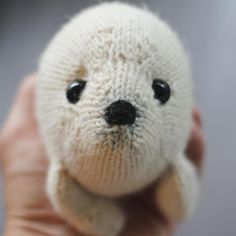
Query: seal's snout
<point x="120" y="112"/>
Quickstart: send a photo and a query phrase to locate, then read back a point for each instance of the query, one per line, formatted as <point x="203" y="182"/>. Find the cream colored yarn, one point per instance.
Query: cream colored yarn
<point x="118" y="49"/>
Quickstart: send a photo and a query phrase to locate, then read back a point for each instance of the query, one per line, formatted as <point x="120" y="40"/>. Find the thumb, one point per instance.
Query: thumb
<point x="21" y="119"/>
<point x="22" y="111"/>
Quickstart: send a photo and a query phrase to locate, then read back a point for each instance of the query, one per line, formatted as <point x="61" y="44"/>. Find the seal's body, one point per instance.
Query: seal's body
<point x="114" y="108"/>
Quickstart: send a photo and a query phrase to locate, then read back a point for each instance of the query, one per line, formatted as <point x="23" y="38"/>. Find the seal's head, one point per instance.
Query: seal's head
<point x="114" y="98"/>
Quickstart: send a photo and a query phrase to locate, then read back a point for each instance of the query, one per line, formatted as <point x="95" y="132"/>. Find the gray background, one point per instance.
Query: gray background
<point x="207" y="28"/>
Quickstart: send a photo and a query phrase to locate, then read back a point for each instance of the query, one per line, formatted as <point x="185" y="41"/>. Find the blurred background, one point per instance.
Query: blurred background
<point x="207" y="29"/>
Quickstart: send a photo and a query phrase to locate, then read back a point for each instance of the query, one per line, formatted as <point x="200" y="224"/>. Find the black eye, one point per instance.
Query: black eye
<point x="74" y="90"/>
<point x="162" y="90"/>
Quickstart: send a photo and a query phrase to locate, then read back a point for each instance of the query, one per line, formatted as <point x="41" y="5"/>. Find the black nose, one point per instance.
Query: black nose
<point x="120" y="113"/>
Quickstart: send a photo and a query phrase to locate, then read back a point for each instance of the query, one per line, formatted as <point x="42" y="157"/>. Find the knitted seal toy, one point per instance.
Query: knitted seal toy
<point x="114" y="104"/>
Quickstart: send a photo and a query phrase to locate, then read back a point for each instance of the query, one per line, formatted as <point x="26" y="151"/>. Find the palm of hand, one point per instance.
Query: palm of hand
<point x="25" y="164"/>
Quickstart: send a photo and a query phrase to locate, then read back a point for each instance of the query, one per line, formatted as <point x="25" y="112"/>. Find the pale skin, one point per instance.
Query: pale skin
<point x="24" y="166"/>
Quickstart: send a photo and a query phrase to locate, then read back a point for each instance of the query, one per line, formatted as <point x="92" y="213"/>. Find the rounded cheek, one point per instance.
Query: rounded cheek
<point x="70" y="140"/>
<point x="147" y="134"/>
<point x="61" y="135"/>
<point x="174" y="140"/>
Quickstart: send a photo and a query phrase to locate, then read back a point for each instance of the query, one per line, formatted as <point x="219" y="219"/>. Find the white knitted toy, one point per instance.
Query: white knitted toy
<point x="114" y="101"/>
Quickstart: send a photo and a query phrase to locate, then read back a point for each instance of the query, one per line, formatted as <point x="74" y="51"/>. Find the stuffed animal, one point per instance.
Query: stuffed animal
<point x="114" y="104"/>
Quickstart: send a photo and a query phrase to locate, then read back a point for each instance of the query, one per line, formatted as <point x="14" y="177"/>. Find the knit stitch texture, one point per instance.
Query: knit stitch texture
<point x="119" y="50"/>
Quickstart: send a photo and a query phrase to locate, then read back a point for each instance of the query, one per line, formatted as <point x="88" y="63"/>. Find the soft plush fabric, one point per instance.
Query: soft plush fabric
<point x="118" y="138"/>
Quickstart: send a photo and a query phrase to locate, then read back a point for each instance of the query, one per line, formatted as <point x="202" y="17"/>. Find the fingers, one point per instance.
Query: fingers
<point x="197" y="117"/>
<point x="196" y="148"/>
<point x="142" y="216"/>
<point x="145" y="220"/>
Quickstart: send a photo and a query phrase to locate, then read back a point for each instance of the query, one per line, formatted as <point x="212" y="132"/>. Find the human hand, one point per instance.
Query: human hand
<point x="24" y="165"/>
